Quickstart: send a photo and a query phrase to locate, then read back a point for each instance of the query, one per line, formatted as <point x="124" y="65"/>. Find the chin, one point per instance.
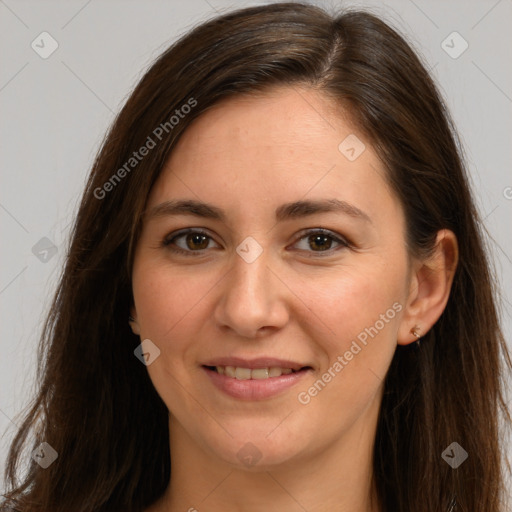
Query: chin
<point x="258" y="451"/>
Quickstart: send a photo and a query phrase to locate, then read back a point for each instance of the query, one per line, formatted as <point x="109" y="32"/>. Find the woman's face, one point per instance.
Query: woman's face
<point x="268" y="281"/>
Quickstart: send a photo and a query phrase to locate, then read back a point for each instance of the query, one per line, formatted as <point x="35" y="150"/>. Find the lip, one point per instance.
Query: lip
<point x="255" y="389"/>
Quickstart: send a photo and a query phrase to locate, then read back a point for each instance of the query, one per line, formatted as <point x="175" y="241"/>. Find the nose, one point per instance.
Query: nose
<point x="253" y="300"/>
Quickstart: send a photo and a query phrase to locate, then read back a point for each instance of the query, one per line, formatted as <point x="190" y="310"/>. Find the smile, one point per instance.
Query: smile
<point x="254" y="383"/>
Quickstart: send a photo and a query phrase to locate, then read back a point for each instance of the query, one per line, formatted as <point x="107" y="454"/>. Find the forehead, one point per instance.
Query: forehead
<point x="284" y="122"/>
<point x="252" y="151"/>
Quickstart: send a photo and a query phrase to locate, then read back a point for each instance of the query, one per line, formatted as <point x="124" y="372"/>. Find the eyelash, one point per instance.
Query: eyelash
<point x="318" y="231"/>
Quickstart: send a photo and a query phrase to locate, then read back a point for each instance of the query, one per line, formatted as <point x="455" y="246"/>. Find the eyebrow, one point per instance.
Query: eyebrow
<point x="287" y="211"/>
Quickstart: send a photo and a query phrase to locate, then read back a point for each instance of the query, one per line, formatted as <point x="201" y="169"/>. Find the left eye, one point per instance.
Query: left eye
<point x="196" y="241"/>
<point x="323" y="240"/>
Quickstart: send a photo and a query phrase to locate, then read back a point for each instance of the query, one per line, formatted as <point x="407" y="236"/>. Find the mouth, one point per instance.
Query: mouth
<point x="255" y="380"/>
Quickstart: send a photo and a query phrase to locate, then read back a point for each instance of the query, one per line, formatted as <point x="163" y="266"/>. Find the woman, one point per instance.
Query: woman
<point x="276" y="294"/>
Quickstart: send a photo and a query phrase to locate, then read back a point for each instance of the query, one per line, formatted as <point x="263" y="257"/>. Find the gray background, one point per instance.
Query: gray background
<point x="55" y="111"/>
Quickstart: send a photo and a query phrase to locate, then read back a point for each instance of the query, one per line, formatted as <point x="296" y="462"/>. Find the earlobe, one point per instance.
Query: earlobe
<point x="430" y="289"/>
<point x="133" y="323"/>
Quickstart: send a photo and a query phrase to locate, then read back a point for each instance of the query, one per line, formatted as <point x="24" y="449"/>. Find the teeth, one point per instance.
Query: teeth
<point x="274" y="372"/>
<point x="243" y="373"/>
<point x="239" y="373"/>
<point x="230" y="371"/>
<point x="260" y="373"/>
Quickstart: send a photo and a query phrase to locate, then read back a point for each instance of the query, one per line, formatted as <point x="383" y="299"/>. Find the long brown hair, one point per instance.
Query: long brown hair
<point x="96" y="405"/>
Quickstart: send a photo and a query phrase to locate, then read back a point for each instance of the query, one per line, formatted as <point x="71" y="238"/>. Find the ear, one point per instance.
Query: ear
<point x="429" y="290"/>
<point x="133" y="321"/>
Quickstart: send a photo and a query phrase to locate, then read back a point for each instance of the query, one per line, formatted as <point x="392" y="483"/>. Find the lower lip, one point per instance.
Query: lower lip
<point x="254" y="389"/>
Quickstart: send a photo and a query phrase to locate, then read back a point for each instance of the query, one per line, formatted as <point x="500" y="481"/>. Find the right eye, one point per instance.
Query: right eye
<point x="192" y="241"/>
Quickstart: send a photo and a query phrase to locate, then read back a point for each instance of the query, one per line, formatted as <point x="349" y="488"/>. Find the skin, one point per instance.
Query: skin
<point x="248" y="156"/>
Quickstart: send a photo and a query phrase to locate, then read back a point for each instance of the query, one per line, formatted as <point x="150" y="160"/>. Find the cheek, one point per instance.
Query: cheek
<point x="362" y="309"/>
<point x="165" y="297"/>
<point x="174" y="311"/>
<point x="357" y="300"/>
<point x="170" y="311"/>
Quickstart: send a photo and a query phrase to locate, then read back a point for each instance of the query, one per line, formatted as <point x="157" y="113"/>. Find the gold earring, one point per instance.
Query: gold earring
<point x="414" y="332"/>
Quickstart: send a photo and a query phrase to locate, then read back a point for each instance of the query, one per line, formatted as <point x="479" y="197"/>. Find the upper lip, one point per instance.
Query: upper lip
<point x="259" y="362"/>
